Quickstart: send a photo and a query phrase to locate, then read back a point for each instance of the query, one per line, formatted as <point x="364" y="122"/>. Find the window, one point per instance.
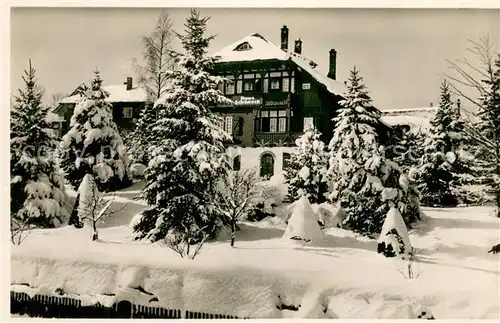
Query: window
<point x="292" y="85"/>
<point x="248" y="85"/>
<point x="266" y="165"/>
<point x="271" y="121"/>
<point x="275" y="84"/>
<point x="230" y="88"/>
<point x="228" y="124"/>
<point x="128" y="113"/>
<point x="286" y="84"/>
<point x="243" y="46"/>
<point x="306" y="86"/>
<point x="282" y="125"/>
<point x="237" y="163"/>
<point x="239" y="86"/>
<point x="286" y="160"/>
<point x="308" y="122"/>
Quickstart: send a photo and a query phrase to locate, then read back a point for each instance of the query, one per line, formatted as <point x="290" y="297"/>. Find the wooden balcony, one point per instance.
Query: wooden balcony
<point x="274" y="139"/>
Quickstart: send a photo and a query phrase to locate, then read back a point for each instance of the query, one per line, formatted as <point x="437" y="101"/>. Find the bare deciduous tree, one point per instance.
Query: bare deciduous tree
<point x="157" y="59"/>
<point x="409" y="267"/>
<point x="93" y="206"/>
<point x="19" y="230"/>
<point x="482" y="78"/>
<point x="240" y="193"/>
<point x="186" y="243"/>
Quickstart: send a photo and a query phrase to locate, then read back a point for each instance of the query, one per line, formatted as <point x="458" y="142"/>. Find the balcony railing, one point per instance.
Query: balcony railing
<point x="275" y="139"/>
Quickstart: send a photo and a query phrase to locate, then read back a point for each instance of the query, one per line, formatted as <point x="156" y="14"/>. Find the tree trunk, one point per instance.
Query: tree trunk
<point x="497" y="185"/>
<point x="95" y="234"/>
<point x="74" y="219"/>
<point x="233" y="232"/>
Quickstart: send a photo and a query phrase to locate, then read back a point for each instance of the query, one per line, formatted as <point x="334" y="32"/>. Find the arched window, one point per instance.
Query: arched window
<point x="237" y="163"/>
<point x="286" y="160"/>
<point x="266" y="165"/>
<point x="243" y="46"/>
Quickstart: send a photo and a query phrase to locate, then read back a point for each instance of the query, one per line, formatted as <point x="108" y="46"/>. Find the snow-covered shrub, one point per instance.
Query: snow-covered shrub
<point x="394" y="240"/>
<point x="93" y="144"/>
<point x="330" y="216"/>
<point x="303" y="224"/>
<point x="137" y="170"/>
<point x="36" y="182"/>
<point x="188" y="157"/>
<point x="495" y="249"/>
<point x="306" y="174"/>
<point x="365" y="182"/>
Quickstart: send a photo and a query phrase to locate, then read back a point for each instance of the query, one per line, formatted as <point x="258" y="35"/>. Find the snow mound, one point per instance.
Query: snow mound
<point x="315" y="306"/>
<point x="394" y="235"/>
<point x="303" y="224"/>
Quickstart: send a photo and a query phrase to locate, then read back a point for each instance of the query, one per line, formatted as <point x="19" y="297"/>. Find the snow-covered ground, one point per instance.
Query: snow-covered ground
<point x="340" y="276"/>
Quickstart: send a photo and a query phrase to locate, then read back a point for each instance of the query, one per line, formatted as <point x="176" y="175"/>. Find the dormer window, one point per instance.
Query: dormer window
<point x="243" y="46"/>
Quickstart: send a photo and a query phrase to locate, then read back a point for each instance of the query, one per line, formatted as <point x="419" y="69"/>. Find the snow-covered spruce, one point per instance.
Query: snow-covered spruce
<point x="303" y="224"/>
<point x="445" y="167"/>
<point x="93" y="144"/>
<point x="409" y="149"/>
<point x="142" y="137"/>
<point x="365" y="182"/>
<point x="189" y="157"/>
<point x="36" y="185"/>
<point x="306" y="174"/>
<point x="394" y="239"/>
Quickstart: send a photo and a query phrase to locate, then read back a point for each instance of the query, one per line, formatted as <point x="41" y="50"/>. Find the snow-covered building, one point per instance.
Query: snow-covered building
<point x="127" y="100"/>
<point x="276" y="93"/>
<point x="415" y="120"/>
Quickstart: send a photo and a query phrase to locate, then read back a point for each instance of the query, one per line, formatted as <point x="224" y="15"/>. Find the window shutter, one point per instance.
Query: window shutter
<point x="238" y="126"/>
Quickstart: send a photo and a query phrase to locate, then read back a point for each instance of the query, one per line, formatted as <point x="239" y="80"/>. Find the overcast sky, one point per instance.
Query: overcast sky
<point x="401" y="53"/>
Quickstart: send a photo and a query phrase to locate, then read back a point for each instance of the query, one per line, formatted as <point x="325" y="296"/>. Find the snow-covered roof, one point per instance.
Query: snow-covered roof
<point x="54" y="117"/>
<point x="117" y="93"/>
<point x="416" y="123"/>
<point x="259" y="48"/>
<point x="424" y="111"/>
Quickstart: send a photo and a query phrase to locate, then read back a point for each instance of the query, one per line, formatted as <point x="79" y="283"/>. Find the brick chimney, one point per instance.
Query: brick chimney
<point x="129" y="83"/>
<point x="284" y="38"/>
<point x="459" y="104"/>
<point x="332" y="69"/>
<point x="298" y="46"/>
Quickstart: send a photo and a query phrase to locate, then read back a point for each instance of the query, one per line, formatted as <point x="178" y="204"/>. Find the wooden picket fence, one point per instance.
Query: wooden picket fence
<point x="66" y="307"/>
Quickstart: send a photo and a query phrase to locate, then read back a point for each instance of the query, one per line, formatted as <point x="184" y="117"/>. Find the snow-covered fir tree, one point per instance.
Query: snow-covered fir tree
<point x="142" y="136"/>
<point x="365" y="182"/>
<point x="409" y="149"/>
<point x="444" y="166"/>
<point x="188" y="160"/>
<point x="36" y="183"/>
<point x="306" y="173"/>
<point x="93" y="144"/>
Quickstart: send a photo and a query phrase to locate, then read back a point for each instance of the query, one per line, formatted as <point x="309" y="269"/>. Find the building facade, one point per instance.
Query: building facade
<point x="126" y="99"/>
<point x="276" y="93"/>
